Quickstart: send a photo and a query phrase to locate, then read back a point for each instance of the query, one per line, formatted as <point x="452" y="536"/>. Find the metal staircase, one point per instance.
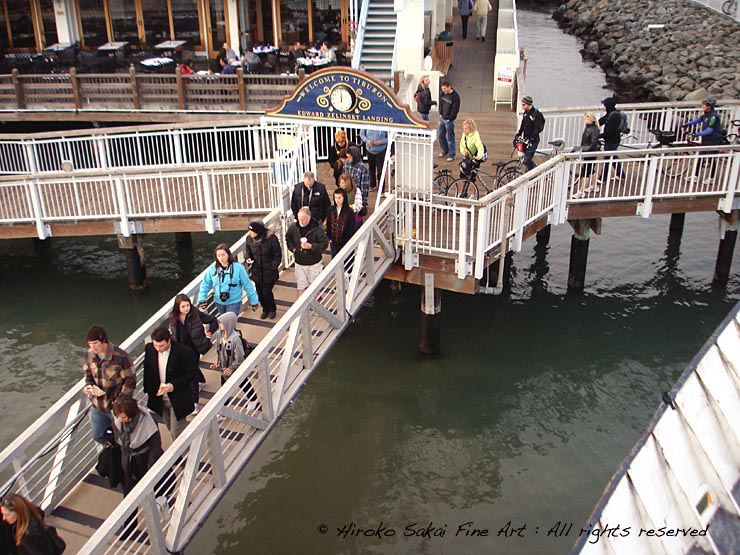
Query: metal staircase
<point x="378" y="39"/>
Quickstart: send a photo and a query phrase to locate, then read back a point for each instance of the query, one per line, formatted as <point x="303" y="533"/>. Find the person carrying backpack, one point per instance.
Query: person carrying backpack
<point x="611" y="122"/>
<point x="229" y="347"/>
<point x="711" y="133"/>
<point x="533" y="122"/>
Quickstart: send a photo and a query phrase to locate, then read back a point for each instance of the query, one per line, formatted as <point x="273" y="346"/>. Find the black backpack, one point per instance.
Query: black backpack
<point x="624" y="126"/>
<point x="245" y="344"/>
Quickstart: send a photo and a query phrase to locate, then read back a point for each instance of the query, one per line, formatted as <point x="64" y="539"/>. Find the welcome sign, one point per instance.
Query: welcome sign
<point x="343" y="95"/>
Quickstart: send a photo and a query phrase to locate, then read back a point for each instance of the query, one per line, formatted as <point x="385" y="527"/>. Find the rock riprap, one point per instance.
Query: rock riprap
<point x="664" y="50"/>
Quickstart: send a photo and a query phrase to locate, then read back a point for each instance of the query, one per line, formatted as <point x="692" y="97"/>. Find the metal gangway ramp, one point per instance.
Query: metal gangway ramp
<point x="177" y="494"/>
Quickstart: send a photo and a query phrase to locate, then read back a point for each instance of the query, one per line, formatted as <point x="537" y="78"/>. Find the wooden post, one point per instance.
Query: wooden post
<point x="578" y="254"/>
<point x="75" y="87"/>
<point x="19" y="99"/>
<point x="242" y="89"/>
<point x="543" y="235"/>
<point x="134" y="253"/>
<point x="396" y="81"/>
<point x="301" y="75"/>
<point x="134" y="88"/>
<point x="676" y="225"/>
<point x="431" y="317"/>
<point x="180" y="88"/>
<point x="728" y="223"/>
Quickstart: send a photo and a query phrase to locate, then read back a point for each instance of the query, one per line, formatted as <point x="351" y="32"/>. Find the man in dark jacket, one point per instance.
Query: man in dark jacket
<point x="449" y="106"/>
<point x="307" y="241"/>
<point x="313" y="194"/>
<point x="533" y="122"/>
<point x="711" y="133"/>
<point x="169" y="371"/>
<point x="611" y="121"/>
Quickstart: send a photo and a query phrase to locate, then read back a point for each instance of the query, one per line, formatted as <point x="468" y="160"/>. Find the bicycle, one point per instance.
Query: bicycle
<point x="672" y="167"/>
<point x="474" y="179"/>
<point x="734" y="138"/>
<point x="729" y="7"/>
<point x="442" y="181"/>
<point x="516" y="164"/>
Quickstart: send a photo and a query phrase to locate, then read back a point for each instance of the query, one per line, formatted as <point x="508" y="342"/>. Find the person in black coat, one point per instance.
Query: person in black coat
<point x="335" y="160"/>
<point x="341" y="222"/>
<point x="168" y="387"/>
<point x="264" y="254"/>
<point x="423" y="98"/>
<point x="590" y="142"/>
<point x="612" y="137"/>
<point x="28" y="535"/>
<point x="186" y="327"/>
<point x="313" y="194"/>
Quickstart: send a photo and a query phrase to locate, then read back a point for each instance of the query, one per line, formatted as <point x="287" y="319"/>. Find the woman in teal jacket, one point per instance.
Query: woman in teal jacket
<point x="227" y="279"/>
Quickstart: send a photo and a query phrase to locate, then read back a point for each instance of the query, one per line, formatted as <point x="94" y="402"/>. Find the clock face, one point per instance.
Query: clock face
<point x="342" y="98"/>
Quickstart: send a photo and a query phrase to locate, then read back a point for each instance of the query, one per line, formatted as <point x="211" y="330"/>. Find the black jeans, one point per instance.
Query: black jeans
<point x="267" y="299"/>
<point x="529" y="154"/>
<point x="375" y="165"/>
<point x="465" y="25"/>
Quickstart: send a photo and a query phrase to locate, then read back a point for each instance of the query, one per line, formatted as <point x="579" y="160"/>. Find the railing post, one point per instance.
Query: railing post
<point x="241" y="87"/>
<point x="18" y="85"/>
<point x="520" y="215"/>
<point x="121" y="197"/>
<point x="462" y="243"/>
<point x="75" y="87"/>
<point x="30" y="149"/>
<point x="134" y="88"/>
<point x="211" y="223"/>
<point x="42" y="229"/>
<point x="725" y="203"/>
<point x="484" y="220"/>
<point x="150" y="511"/>
<point x="645" y="208"/>
<point x="560" y="194"/>
<point x="180" y="88"/>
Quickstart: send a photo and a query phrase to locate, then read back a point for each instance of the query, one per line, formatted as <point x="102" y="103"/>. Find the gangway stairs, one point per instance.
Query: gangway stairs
<point x="378" y="39"/>
<point x="52" y="461"/>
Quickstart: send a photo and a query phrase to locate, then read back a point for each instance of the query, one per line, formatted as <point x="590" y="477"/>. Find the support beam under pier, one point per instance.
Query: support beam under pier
<point x="579" y="251"/>
<point x="728" y="233"/>
<point x="430" y="330"/>
<point x="133" y="251"/>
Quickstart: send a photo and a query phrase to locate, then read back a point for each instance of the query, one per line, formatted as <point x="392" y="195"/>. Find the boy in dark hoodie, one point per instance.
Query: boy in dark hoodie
<point x="610" y="122"/>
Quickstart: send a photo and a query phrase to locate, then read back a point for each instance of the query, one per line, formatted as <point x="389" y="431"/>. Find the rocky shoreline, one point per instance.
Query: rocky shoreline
<point x="695" y="54"/>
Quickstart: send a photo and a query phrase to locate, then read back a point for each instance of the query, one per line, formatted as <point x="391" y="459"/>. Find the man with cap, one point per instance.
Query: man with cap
<point x="611" y="122"/>
<point x="533" y="122"/>
<point x="313" y="194"/>
<point x="263" y="252"/>
<point x="711" y="131"/>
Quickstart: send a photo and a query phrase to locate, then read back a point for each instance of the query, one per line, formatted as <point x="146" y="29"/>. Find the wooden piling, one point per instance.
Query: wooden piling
<point x="430" y="329"/>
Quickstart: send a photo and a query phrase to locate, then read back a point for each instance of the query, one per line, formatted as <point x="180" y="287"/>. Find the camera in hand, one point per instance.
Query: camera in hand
<point x="223" y="296"/>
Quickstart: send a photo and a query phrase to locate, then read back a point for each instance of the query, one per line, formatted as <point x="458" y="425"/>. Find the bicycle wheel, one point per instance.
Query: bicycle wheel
<point x="441" y="183"/>
<point x="508" y="177"/>
<point x="674" y="167"/>
<point x="463" y="188"/>
<point x="729" y="7"/>
<point x="511" y="165"/>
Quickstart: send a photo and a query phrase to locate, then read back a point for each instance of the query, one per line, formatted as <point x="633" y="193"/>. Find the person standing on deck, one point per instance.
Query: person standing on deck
<point x="711" y="134"/>
<point x="533" y="122"/>
<point x="109" y="373"/>
<point x="376" y="144"/>
<point x="423" y="98"/>
<point x="611" y="121"/>
<point x="449" y="106"/>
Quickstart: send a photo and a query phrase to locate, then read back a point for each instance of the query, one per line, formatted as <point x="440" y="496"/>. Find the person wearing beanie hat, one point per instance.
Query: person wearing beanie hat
<point x="533" y="122"/>
<point x="264" y="254"/>
<point x="611" y="122"/>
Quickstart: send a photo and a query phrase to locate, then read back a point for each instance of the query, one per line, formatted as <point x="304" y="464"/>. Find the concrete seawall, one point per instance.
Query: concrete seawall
<point x="658" y="50"/>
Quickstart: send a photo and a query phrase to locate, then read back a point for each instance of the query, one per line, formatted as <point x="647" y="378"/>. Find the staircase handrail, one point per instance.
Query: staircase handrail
<point x="360" y="37"/>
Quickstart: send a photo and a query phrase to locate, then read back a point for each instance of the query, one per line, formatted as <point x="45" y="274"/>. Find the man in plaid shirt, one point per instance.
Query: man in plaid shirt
<point x="109" y="373"/>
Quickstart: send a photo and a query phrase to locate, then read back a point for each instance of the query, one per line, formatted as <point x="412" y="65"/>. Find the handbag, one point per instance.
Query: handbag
<point x="56" y="543"/>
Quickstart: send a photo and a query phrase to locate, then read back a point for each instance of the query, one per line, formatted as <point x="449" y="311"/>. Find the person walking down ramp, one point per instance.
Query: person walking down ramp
<point x="533" y="122"/>
<point x="307" y="241"/>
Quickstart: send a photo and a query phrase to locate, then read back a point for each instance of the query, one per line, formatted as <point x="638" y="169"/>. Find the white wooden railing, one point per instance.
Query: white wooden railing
<point x="180" y="490"/>
<point x="567" y="123"/>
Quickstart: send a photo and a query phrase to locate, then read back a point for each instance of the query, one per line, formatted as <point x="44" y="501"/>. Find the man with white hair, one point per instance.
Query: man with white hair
<point x="307" y="241"/>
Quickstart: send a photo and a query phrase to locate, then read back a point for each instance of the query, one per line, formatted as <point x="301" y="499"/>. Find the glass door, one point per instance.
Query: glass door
<point x="93" y="22"/>
<point x="294" y="21"/>
<point x="216" y="25"/>
<point x="125" y="17"/>
<point x="186" y="22"/>
<point x="19" y="24"/>
<point x="155" y="17"/>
